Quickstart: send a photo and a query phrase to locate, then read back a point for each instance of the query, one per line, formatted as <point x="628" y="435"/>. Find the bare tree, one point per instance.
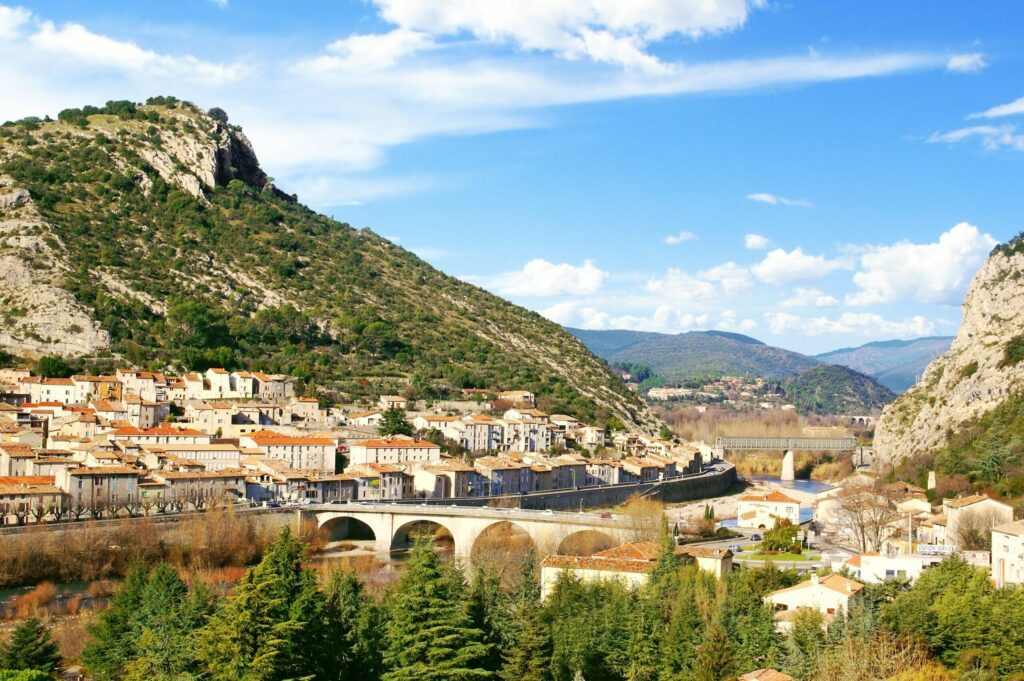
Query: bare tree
<point x="866" y="516"/>
<point x="973" y="529"/>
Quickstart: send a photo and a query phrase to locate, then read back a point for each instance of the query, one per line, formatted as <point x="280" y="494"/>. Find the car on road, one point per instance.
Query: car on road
<point x="755" y="537"/>
<point x="735" y="548"/>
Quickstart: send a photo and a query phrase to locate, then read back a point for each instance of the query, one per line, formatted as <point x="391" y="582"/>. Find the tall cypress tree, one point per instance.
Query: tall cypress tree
<point x="488" y="608"/>
<point x="715" y="659"/>
<point x="31" y="648"/>
<point x="527" y="654"/>
<point x="429" y="634"/>
<point x="353" y="628"/>
<point x="255" y="635"/>
<point x="114" y="633"/>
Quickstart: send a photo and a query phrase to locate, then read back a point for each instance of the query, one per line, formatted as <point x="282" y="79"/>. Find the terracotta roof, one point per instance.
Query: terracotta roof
<point x="30" y="405"/>
<point x="600" y="564"/>
<point x="835" y="582"/>
<point x="402" y="444"/>
<point x="969" y="501"/>
<point x="773" y="496"/>
<point x="765" y="675"/>
<point x="105" y="470"/>
<point x="272" y="438"/>
<point x="158" y="430"/>
<point x="707" y="552"/>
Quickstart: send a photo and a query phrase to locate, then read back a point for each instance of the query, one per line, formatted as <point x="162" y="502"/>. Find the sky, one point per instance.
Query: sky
<point x="814" y="174"/>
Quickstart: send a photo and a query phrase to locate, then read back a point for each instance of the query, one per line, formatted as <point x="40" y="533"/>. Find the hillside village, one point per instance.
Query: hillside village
<point x="138" y="442"/>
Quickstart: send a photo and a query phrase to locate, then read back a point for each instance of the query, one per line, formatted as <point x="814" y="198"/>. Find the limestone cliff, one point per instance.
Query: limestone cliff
<point x="982" y="368"/>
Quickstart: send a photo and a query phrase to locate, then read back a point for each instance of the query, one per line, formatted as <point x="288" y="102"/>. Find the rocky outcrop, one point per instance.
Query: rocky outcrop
<point x="37" y="317"/>
<point x="977" y="373"/>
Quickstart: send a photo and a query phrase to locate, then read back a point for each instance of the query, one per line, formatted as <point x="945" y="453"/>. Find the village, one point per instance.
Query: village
<point x="136" y="443"/>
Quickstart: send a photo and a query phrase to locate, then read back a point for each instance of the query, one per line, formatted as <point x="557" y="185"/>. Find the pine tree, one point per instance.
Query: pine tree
<point x="429" y="634"/>
<point x="804" y="644"/>
<point x="254" y="634"/>
<point x="684" y="631"/>
<point x="642" y="660"/>
<point x="31" y="648"/>
<point x="353" y="626"/>
<point x="527" y="653"/>
<point x="715" y="659"/>
<point x="666" y="563"/>
<point x="113" y="636"/>
<point x="488" y="608"/>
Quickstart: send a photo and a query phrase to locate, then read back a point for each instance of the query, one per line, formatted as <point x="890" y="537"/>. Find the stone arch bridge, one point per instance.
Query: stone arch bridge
<point x="391" y="525"/>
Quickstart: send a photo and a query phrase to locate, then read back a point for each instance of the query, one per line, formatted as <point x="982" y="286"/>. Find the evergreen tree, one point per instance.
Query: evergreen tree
<point x="528" y="656"/>
<point x="684" y="631"/>
<point x="715" y="659"/>
<point x="642" y="661"/>
<point x="168" y="617"/>
<point x="394" y="423"/>
<point x="113" y="635"/>
<point x="666" y="563"/>
<point x="353" y="628"/>
<point x="257" y="633"/>
<point x="488" y="609"/>
<point x="26" y="675"/>
<point x="31" y="648"/>
<point x="429" y="634"/>
<point x="805" y="644"/>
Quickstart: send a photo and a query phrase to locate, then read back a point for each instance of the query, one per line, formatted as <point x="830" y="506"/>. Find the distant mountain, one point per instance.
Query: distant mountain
<point x="696" y="353"/>
<point x="896" y="364"/>
<point x="831" y="389"/>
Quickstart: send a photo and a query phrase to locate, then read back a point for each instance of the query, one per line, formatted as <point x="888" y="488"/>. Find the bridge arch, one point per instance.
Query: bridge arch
<point x="586" y="542"/>
<point x="405" y="534"/>
<point x="502" y="544"/>
<point x="346" y="527"/>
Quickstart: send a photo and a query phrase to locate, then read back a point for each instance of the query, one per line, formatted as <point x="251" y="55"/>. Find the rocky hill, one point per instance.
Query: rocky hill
<point x="896" y="364"/>
<point x="981" y="375"/>
<point x="696" y="353"/>
<point x="150" y="232"/>
<point x="831" y="389"/>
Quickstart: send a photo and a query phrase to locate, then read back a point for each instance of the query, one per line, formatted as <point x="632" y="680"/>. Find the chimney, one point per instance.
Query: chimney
<point x="849" y="588"/>
<point x="814" y="578"/>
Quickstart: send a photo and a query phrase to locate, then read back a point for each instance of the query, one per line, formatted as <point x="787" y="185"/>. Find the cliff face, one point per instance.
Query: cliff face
<point x="150" y="231"/>
<point x="982" y="368"/>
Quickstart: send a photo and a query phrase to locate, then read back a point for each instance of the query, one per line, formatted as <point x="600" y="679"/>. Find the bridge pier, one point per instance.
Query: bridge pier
<point x="788" y="467"/>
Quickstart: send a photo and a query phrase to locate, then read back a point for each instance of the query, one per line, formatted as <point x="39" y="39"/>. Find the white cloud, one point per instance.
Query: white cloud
<point x="966" y="63"/>
<point x="866" y="324"/>
<point x="728" y="322"/>
<point x="935" y="273"/>
<point x="606" y="32"/>
<point x="781" y="266"/>
<point x="310" y="116"/>
<point x="809" y="297"/>
<point x="756" y="242"/>
<point x="1010" y="109"/>
<point x="372" y="52"/>
<point x="11" y="21"/>
<point x="676" y="239"/>
<point x="731" y="277"/>
<point x="775" y="200"/>
<point x="993" y="137"/>
<point x="681" y="286"/>
<point x="542" y="278"/>
<point x="75" y="42"/>
<point x="664" y="318"/>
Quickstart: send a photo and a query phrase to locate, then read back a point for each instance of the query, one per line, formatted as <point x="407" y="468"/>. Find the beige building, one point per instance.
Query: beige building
<point x="1008" y="553"/>
<point x="301" y="453"/>
<point x="974" y="515"/>
<point x="830" y="596"/>
<point x="629" y="564"/>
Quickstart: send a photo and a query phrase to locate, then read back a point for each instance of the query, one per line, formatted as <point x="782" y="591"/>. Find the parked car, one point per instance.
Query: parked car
<point x="756" y="537"/>
<point x="735" y="548"/>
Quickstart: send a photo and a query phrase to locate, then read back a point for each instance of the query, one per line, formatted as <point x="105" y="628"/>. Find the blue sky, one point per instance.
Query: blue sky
<point x="814" y="174"/>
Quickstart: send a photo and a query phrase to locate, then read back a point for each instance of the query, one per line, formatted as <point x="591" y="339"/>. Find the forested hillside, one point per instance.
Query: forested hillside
<point x="151" y="232"/>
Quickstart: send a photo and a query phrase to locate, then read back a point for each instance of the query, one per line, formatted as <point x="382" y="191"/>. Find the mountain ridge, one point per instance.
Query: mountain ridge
<point x="897" y="364"/>
<point x="150" y="232"/>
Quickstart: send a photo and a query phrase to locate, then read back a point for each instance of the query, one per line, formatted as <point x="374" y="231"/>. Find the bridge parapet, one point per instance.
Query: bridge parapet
<point x="782" y="444"/>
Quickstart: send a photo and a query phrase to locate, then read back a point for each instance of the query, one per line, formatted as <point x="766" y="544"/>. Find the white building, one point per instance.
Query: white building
<point x="874" y="568"/>
<point x="301" y="453"/>
<point x="1008" y="553"/>
<point x="830" y="596"/>
<point x="388" y="451"/>
<point x="760" y="510"/>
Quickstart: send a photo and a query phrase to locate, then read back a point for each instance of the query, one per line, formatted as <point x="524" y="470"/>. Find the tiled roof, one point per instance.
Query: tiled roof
<point x="1014" y="528"/>
<point x="773" y="496"/>
<point x="600" y="564"/>
<point x="401" y="444"/>
<point x="765" y="675"/>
